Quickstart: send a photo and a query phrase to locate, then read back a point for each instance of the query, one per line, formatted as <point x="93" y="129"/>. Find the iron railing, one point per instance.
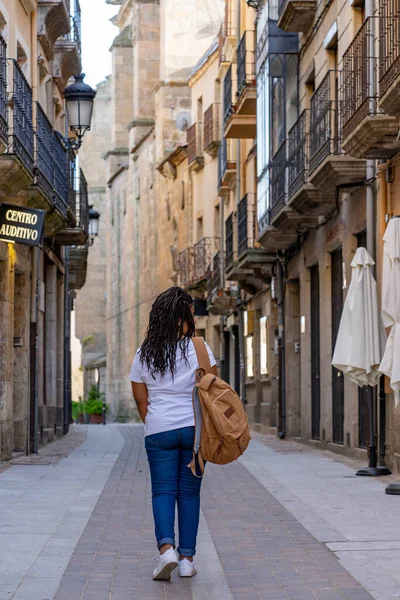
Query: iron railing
<point x="212" y="132"/>
<point x="82" y="203"/>
<point x="72" y="169"/>
<point x="226" y="159"/>
<point x="186" y="266"/>
<point x="389" y="43"/>
<point x="195" y="142"/>
<point x="246" y="225"/>
<point x="324" y="122"/>
<point x="22" y="133"/>
<point x="358" y="95"/>
<point x="278" y="181"/>
<point x="60" y="161"/>
<point x="75" y="32"/>
<point x="228" y="95"/>
<point x="203" y="251"/>
<point x="217" y="270"/>
<point x="229" y="241"/>
<point x="3" y="90"/>
<point x="298" y="149"/>
<point x="246" y="63"/>
<point x="44" y="152"/>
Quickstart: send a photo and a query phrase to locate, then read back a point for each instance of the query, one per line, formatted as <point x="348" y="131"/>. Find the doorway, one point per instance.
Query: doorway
<point x="337" y="376"/>
<point x="315" y="355"/>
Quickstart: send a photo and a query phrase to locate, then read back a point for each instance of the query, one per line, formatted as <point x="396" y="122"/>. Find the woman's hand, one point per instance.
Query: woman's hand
<point x="140" y="395"/>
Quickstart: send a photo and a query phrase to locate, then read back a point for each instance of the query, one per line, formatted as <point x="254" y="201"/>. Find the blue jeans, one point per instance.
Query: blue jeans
<point x="172" y="482"/>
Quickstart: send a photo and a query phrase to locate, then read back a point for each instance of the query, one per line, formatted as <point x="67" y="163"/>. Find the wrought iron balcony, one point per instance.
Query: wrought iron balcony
<point x="226" y="165"/>
<point x="229" y="241"/>
<point x="195" y="147"/>
<point x="3" y="95"/>
<point x="60" y="160"/>
<point x="367" y="133"/>
<point x="44" y="153"/>
<point x="78" y="203"/>
<point x="228" y="107"/>
<point x="186" y="267"/>
<point x="298" y="153"/>
<point x="221" y="295"/>
<point x="389" y="54"/>
<point x="22" y="127"/>
<point x="212" y="129"/>
<point x="296" y="15"/>
<point x="278" y="182"/>
<point x="329" y="166"/>
<point x="246" y="64"/>
<point x="203" y="252"/>
<point x="246" y="225"/>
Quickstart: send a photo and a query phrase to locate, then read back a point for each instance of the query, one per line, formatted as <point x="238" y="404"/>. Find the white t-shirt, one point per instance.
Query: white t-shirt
<point x="170" y="399"/>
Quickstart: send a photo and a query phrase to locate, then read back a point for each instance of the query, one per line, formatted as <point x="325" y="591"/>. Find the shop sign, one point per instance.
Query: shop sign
<point x="21" y="225"/>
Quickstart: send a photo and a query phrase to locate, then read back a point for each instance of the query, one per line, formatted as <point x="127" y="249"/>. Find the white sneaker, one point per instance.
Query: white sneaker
<point x="167" y="562"/>
<point x="186" y="568"/>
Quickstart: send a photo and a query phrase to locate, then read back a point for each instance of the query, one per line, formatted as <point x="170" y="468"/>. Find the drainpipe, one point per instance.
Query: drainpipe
<point x="67" y="343"/>
<point x="222" y="284"/>
<point x="243" y="391"/>
<point x="282" y="353"/>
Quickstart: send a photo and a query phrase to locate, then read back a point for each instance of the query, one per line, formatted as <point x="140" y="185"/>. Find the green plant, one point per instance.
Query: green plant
<point x="94" y="402"/>
<point x="78" y="408"/>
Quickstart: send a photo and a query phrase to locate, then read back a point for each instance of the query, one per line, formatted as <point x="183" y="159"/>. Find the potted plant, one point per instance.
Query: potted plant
<point x="78" y="411"/>
<point x="94" y="406"/>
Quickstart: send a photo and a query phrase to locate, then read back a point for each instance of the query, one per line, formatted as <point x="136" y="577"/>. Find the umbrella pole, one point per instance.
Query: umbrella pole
<point x="372" y="470"/>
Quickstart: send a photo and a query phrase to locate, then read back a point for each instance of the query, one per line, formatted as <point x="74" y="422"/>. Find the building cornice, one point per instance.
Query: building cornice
<point x="116" y="152"/>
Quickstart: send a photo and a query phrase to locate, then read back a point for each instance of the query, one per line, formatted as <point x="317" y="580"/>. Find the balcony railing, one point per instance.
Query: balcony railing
<point x="229" y="241"/>
<point x="3" y="90"/>
<point x="82" y="201"/>
<point x="60" y="161"/>
<point x="358" y="95"/>
<point x="298" y="149"/>
<point x="246" y="67"/>
<point x="324" y="122"/>
<point x="72" y="173"/>
<point x="44" y="152"/>
<point x="278" y="181"/>
<point x="195" y="143"/>
<point x="212" y="130"/>
<point x="22" y="128"/>
<point x="203" y="252"/>
<point x="246" y="225"/>
<point x="228" y="95"/>
<point x="389" y="43"/>
<point x="226" y="159"/>
<point x="75" y="32"/>
<point x="186" y="266"/>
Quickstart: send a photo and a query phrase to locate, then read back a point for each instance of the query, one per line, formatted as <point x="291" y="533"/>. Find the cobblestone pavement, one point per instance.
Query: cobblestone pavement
<point x="283" y="523"/>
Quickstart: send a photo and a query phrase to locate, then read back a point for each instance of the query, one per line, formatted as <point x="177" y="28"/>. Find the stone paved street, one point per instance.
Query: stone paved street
<point x="283" y="523"/>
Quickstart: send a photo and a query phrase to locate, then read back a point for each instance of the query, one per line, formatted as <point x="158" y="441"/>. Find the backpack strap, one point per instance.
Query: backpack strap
<point x="202" y="354"/>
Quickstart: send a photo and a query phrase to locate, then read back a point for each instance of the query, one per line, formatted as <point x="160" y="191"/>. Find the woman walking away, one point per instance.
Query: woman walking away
<point x="163" y="377"/>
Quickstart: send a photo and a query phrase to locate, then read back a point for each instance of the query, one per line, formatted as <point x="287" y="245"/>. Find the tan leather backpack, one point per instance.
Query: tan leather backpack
<point x="221" y="426"/>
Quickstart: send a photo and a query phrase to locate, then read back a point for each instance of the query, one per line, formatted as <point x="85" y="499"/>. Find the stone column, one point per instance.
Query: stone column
<point x="21" y="387"/>
<point x="51" y="347"/>
<point x="6" y="351"/>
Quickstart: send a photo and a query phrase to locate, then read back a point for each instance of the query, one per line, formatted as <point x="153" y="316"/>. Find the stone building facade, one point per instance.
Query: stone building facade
<point x="40" y="51"/>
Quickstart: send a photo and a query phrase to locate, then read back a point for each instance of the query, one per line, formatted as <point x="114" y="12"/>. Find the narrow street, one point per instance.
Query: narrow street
<point x="285" y="522"/>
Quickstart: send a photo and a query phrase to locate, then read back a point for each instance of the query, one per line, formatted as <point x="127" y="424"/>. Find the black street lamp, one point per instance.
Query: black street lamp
<point x="94" y="217"/>
<point x="79" y="99"/>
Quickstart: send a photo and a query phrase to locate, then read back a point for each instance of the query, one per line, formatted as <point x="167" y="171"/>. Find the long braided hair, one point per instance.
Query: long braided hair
<point x="170" y="311"/>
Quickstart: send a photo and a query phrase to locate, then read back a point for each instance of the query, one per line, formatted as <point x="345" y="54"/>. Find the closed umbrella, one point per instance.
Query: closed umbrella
<point x="361" y="338"/>
<point x="390" y="365"/>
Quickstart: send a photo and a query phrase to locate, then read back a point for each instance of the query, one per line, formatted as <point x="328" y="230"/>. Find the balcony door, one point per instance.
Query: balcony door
<point x="337" y="376"/>
<point x="315" y="355"/>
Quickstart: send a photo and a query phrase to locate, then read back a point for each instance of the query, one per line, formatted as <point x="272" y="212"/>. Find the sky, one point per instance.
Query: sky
<point x="97" y="36"/>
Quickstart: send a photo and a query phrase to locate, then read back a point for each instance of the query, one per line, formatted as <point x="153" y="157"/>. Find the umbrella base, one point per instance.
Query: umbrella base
<point x="393" y="489"/>
<point x="373" y="472"/>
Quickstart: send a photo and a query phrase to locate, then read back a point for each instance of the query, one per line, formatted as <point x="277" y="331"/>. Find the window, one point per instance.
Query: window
<point x="199" y="229"/>
<point x="249" y="357"/>
<point x="264" y="346"/>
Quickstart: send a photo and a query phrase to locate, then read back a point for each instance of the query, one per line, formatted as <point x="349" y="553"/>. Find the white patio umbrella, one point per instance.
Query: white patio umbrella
<point x="361" y="338"/>
<point x="390" y="364"/>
